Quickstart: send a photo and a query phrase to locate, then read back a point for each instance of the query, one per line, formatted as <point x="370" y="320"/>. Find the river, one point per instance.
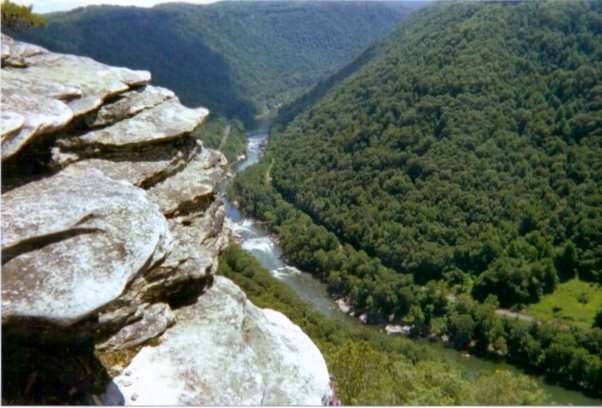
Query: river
<point x="256" y="240"/>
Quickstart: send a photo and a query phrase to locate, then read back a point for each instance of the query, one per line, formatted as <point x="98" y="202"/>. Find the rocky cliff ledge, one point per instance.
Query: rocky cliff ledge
<point x="111" y="228"/>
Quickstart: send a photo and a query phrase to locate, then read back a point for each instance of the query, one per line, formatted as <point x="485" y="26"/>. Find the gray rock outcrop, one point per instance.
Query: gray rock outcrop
<point x="72" y="242"/>
<point x="44" y="91"/>
<point x="259" y="358"/>
<point x="111" y="229"/>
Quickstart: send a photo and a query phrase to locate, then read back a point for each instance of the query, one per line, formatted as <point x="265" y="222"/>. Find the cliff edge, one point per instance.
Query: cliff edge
<point x="111" y="229"/>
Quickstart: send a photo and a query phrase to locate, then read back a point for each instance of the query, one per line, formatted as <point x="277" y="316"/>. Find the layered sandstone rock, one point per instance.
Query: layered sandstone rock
<point x="42" y="91"/>
<point x="111" y="229"/>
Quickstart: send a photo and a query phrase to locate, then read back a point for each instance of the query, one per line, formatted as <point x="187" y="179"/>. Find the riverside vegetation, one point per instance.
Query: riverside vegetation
<point x="452" y="171"/>
<point x="227" y="136"/>
<point x="370" y="368"/>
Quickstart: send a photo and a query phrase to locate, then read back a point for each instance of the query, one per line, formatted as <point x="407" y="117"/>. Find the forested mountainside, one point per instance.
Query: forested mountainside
<point x="463" y="153"/>
<point x="236" y="58"/>
<point x="472" y="146"/>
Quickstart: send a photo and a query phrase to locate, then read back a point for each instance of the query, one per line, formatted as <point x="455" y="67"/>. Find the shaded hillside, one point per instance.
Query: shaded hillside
<point x="237" y="58"/>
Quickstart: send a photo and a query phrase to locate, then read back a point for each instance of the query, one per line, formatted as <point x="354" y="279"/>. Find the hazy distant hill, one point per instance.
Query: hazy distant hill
<point x="237" y="58"/>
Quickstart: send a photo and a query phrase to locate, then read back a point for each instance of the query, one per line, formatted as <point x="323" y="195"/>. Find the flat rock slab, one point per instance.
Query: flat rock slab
<point x="96" y="81"/>
<point x="16" y="53"/>
<point x="31" y="115"/>
<point x="154" y="321"/>
<point x="129" y="104"/>
<point x="164" y="122"/>
<point x="179" y="279"/>
<point x="72" y="242"/>
<point x="49" y="94"/>
<point x="48" y="90"/>
<point x="191" y="186"/>
<point x="225" y="351"/>
<point x="143" y="167"/>
<point x="193" y="258"/>
<point x="11" y="122"/>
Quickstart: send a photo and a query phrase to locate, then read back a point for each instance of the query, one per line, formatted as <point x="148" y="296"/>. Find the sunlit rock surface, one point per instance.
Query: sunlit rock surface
<point x="129" y="104"/>
<point x="48" y="90"/>
<point x="225" y="351"/>
<point x="71" y="243"/>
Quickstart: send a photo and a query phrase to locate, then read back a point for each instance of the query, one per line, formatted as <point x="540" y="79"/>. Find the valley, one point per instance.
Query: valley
<point x="239" y="59"/>
<point x="431" y="166"/>
<point x="423" y="175"/>
<point x="255" y="238"/>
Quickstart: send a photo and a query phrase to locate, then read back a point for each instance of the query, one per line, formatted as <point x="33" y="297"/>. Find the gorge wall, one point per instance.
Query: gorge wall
<point x="111" y="229"/>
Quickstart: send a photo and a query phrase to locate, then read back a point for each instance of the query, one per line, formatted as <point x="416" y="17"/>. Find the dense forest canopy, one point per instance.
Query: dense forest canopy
<point x="236" y="58"/>
<point x="469" y="148"/>
<point x="453" y="169"/>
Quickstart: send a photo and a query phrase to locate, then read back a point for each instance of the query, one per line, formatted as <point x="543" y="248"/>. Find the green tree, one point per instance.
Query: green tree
<point x="506" y="388"/>
<point x="358" y="366"/>
<point x="461" y="330"/>
<point x="16" y="17"/>
<point x="568" y="261"/>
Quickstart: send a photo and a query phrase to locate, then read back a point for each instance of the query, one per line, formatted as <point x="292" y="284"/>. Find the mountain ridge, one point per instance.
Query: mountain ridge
<point x="236" y="58"/>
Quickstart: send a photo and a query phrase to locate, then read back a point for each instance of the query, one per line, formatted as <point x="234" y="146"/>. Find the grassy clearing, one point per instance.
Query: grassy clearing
<point x="574" y="300"/>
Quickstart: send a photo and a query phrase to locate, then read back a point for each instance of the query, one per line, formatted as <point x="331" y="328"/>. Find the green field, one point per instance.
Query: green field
<point x="573" y="300"/>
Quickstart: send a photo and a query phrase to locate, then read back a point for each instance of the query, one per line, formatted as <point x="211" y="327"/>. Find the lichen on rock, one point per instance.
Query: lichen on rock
<point x="72" y="242"/>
